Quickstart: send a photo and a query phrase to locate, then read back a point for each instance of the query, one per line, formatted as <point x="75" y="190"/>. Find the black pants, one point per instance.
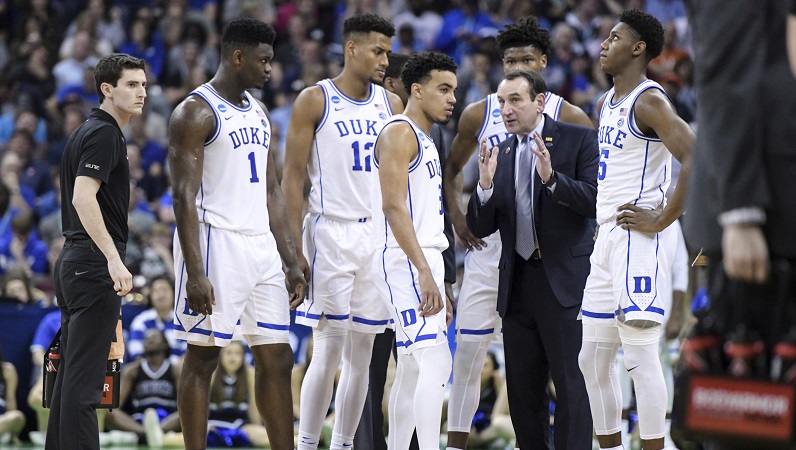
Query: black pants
<point x="370" y="432"/>
<point x="543" y="338"/>
<point x="89" y="313"/>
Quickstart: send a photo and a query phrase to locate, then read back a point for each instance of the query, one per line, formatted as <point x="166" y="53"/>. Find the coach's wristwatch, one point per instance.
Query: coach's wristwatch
<point x="552" y="180"/>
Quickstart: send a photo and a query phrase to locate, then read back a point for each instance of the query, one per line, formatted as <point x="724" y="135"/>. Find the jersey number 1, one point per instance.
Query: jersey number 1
<point x="253" y="164"/>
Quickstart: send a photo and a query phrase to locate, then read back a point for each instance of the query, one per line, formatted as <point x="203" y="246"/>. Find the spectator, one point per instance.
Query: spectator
<point x="145" y="42"/>
<point x="72" y="118"/>
<point x="33" y="173"/>
<point x="462" y="28"/>
<point x="425" y="22"/>
<point x="160" y="317"/>
<point x="17" y="287"/>
<point x="25" y="252"/>
<point x="23" y="197"/>
<point x="69" y="71"/>
<point x="12" y="421"/>
<point x="148" y="384"/>
<point x="85" y="23"/>
<point x="32" y="73"/>
<point x="83" y="95"/>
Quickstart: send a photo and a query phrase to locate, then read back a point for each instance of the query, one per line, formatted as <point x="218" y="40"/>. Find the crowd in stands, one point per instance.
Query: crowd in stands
<point x="48" y="49"/>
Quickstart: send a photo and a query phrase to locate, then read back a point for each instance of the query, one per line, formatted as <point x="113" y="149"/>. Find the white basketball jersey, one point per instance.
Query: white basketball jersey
<point x="233" y="194"/>
<point x="493" y="129"/>
<point x="423" y="196"/>
<point x="340" y="161"/>
<point x="633" y="168"/>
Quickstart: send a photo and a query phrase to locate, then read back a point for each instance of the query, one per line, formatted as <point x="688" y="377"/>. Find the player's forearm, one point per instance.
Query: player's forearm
<point x="293" y="192"/>
<point x="88" y="211"/>
<point x="674" y="208"/>
<point x="188" y="231"/>
<point x="401" y="226"/>
<point x="280" y="227"/>
<point x="452" y="184"/>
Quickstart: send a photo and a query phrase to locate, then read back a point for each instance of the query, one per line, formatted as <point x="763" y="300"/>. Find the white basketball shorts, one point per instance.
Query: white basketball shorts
<point x="630" y="276"/>
<point x="399" y="287"/>
<point x="248" y="284"/>
<point x="341" y="286"/>
<point x="477" y="319"/>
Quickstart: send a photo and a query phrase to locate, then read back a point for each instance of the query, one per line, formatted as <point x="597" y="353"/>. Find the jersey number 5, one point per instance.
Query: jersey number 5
<point x="602" y="167"/>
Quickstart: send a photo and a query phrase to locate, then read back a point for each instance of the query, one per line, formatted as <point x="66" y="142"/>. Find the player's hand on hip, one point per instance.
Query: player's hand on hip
<point x="200" y="295"/>
<point x="487" y="164"/>
<point x="631" y="217"/>
<point x="468" y="239"/>
<point x="122" y="278"/>
<point x="745" y="253"/>
<point x="431" y="298"/>
<point x="296" y="286"/>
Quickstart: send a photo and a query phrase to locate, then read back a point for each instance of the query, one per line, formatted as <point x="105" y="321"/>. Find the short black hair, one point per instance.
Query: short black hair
<point x="246" y="32"/>
<point x="536" y="83"/>
<point x="418" y="68"/>
<point x="648" y="29"/>
<point x="522" y="34"/>
<point x="397" y="62"/>
<point x="109" y="69"/>
<point x="364" y="24"/>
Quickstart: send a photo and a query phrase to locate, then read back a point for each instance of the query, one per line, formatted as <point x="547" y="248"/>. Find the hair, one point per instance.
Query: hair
<point x="109" y="69"/>
<point x="522" y="34"/>
<point x="165" y="350"/>
<point x="241" y="392"/>
<point x="16" y="273"/>
<point x="246" y="32"/>
<point x="536" y="84"/>
<point x="419" y="66"/>
<point x="397" y="62"/>
<point x="648" y="29"/>
<point x="364" y="24"/>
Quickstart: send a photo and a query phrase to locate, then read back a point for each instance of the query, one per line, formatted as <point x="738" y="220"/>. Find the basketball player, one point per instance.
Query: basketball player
<point x="523" y="46"/>
<point x="331" y="140"/>
<point x="408" y="233"/>
<point x="639" y="131"/>
<point x="232" y="236"/>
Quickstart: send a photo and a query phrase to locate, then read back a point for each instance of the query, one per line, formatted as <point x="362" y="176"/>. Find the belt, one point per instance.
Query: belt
<point x="88" y="243"/>
<point x="536" y="255"/>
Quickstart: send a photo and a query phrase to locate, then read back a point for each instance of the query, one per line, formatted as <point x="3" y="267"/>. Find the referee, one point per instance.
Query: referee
<point x="90" y="277"/>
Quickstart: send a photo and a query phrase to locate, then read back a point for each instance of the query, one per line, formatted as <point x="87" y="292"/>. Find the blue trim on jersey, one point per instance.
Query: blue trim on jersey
<point x="336" y="316"/>
<point x="643" y="173"/>
<point x="320" y="173"/>
<point x="558" y="108"/>
<point x="204" y="332"/>
<point x="409" y="197"/>
<point x="314" y="258"/>
<point x="485" y="119"/>
<point x="325" y="108"/>
<point x="425" y="337"/>
<point x="351" y="100"/>
<point x="202" y="202"/>
<point x="179" y="295"/>
<point x="364" y="321"/>
<point x="609" y="100"/>
<point x="596" y="315"/>
<point x="387" y="101"/>
<point x="631" y="118"/>
<point x="480" y="332"/>
<point x="207" y="257"/>
<point x="308" y="315"/>
<point x="652" y="309"/>
<point x="214" y="92"/>
<point x="273" y="326"/>
<point x="660" y="186"/>
<point x="215" y="113"/>
<point x="419" y="298"/>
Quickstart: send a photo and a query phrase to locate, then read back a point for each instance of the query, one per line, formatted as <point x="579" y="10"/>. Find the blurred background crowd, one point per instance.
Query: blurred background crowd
<point x="48" y="49"/>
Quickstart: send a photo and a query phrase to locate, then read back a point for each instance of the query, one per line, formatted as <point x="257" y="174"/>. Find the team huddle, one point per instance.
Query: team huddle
<point x="568" y="236"/>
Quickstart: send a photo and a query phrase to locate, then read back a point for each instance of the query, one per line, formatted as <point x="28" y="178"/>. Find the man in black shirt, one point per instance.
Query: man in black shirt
<point x="90" y="277"/>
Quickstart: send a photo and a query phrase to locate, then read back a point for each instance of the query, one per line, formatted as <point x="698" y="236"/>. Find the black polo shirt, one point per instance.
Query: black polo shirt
<point x="97" y="149"/>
